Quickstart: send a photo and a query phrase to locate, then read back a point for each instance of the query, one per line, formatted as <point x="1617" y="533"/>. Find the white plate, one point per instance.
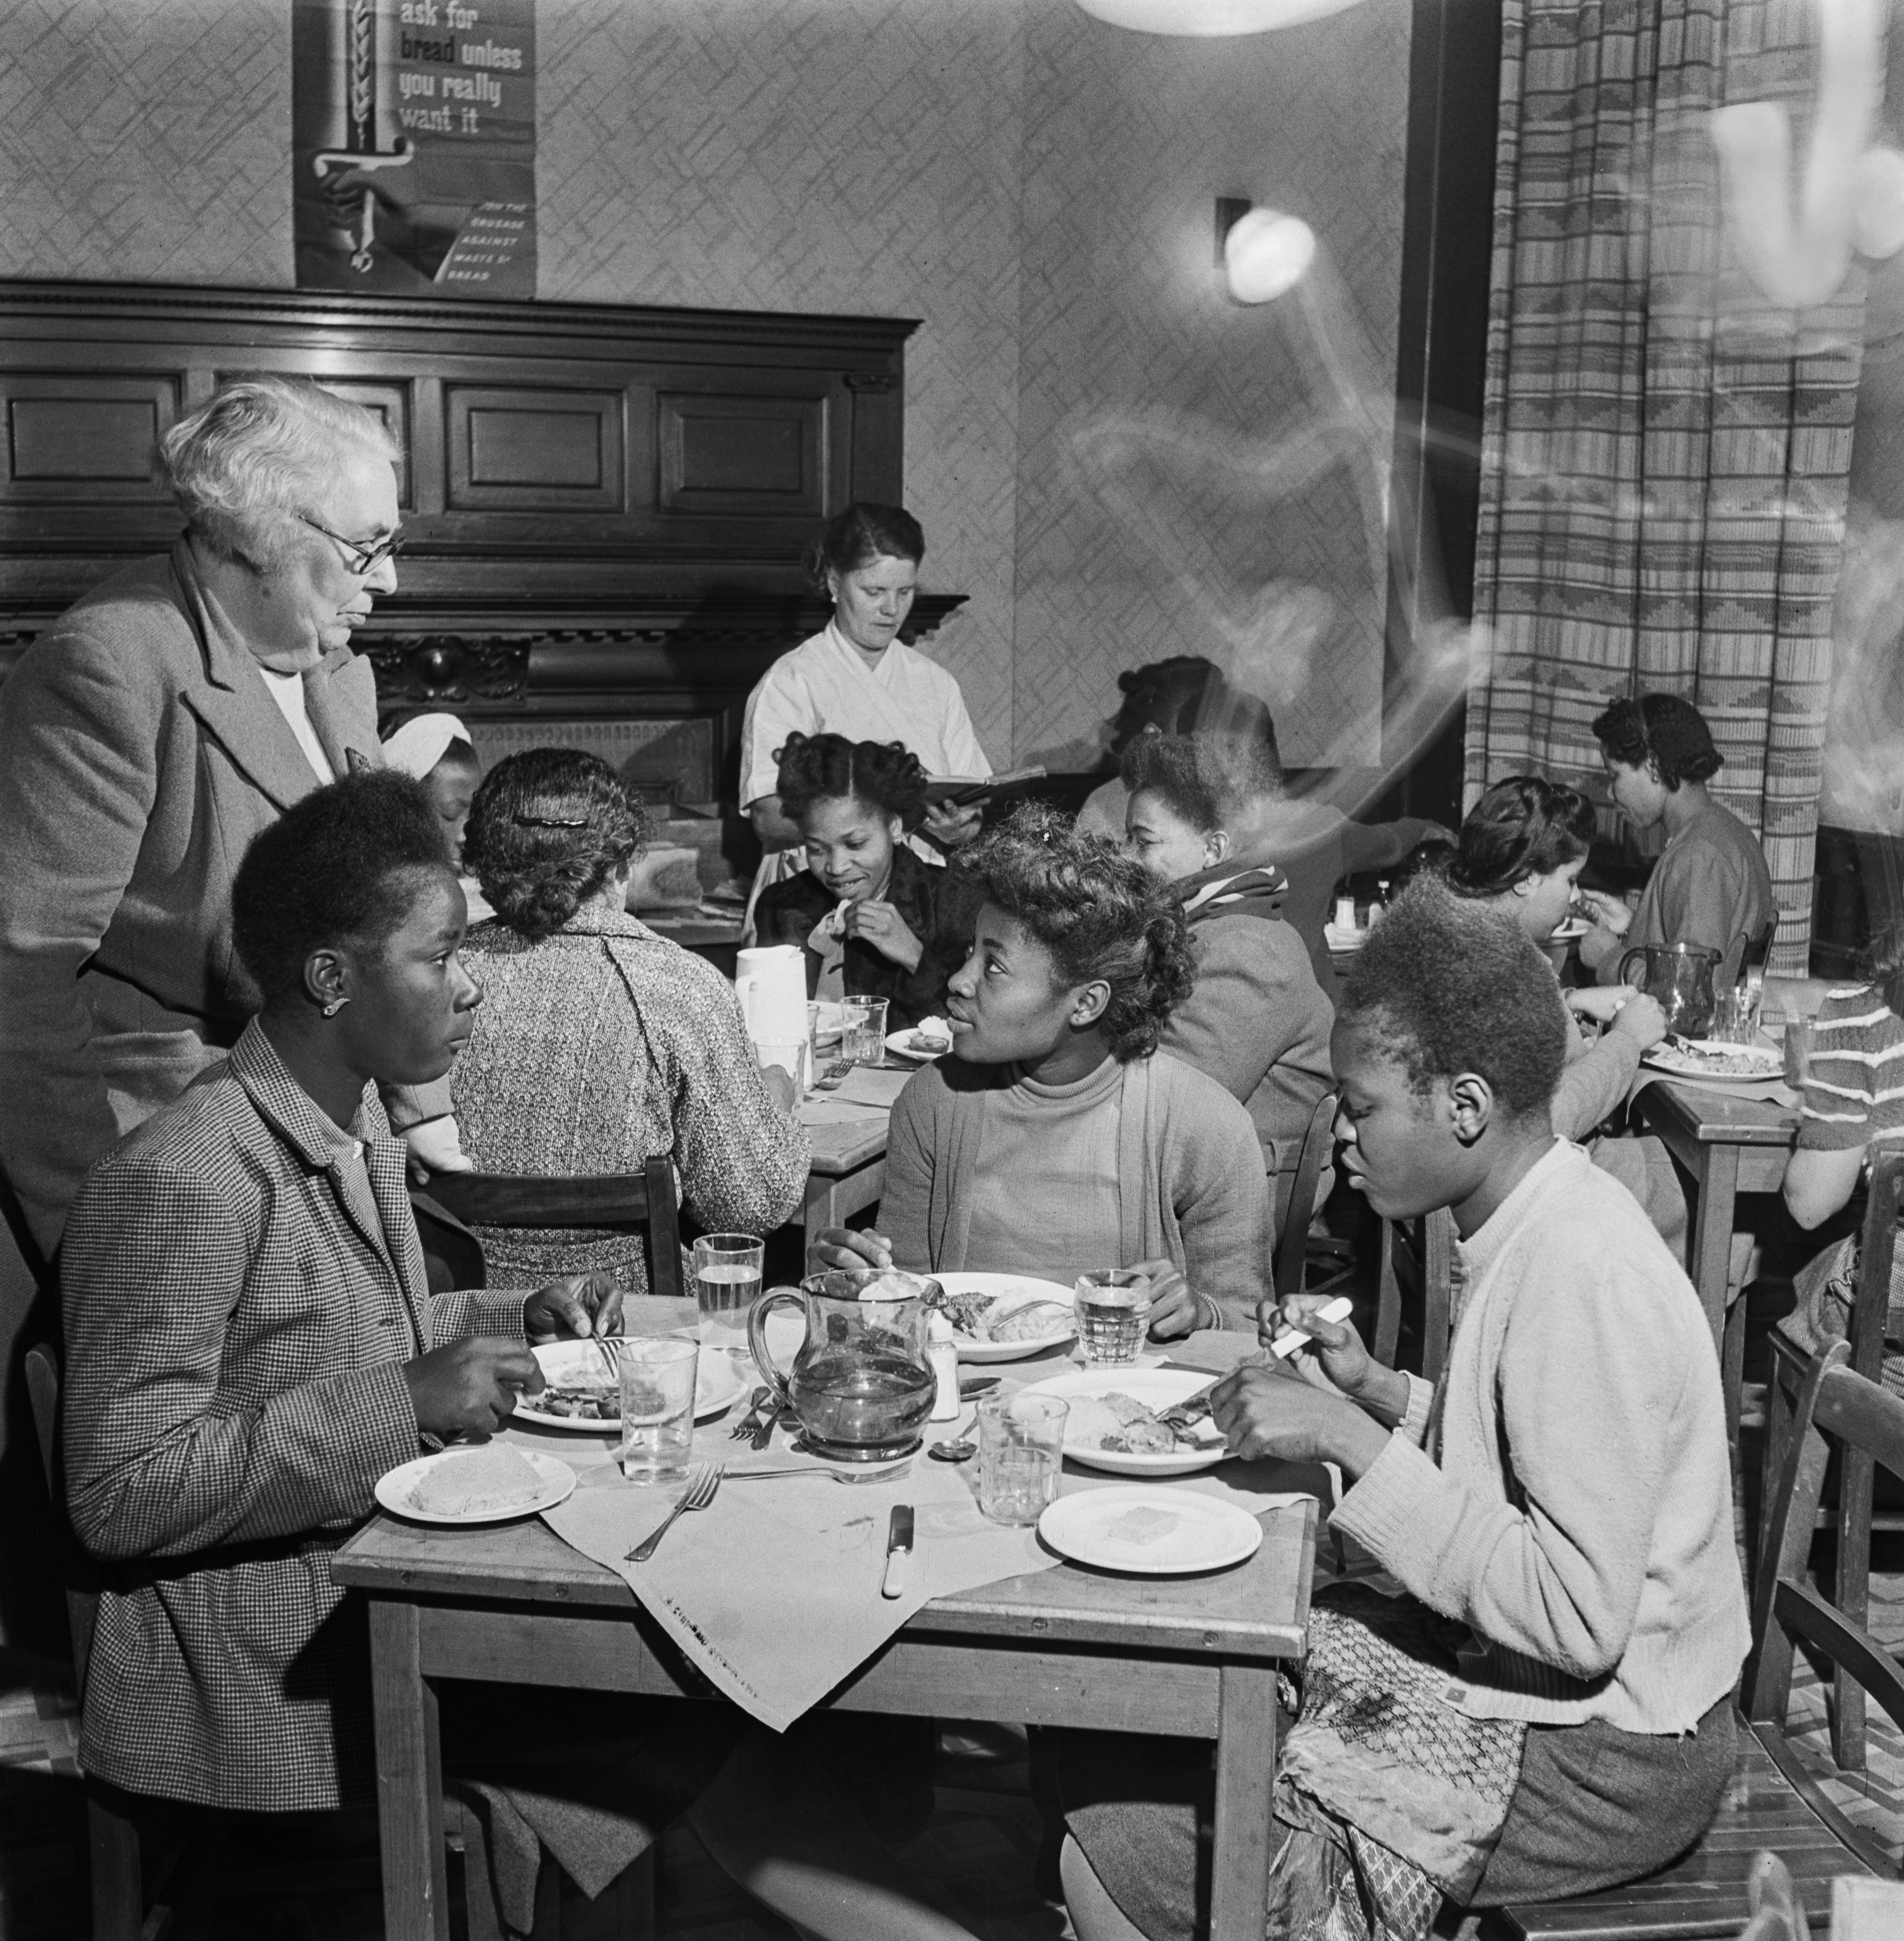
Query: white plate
<point x="718" y="1384"/>
<point x="1767" y="1062"/>
<point x="900" y="1044"/>
<point x="830" y="1023"/>
<point x="1155" y="1389"/>
<point x="1017" y="1290"/>
<point x="1158" y="1533"/>
<point x="393" y="1488"/>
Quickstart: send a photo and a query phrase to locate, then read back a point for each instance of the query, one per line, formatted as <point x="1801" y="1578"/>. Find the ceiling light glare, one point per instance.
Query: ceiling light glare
<point x="1210" y="18"/>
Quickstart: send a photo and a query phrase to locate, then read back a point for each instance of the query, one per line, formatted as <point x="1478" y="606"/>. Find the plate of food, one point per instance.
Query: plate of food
<point x="1138" y="1422"/>
<point x="998" y="1317"/>
<point x="488" y="1482"/>
<point x="1155" y="1532"/>
<point x="1712" y="1062"/>
<point x="931" y="1038"/>
<point x="582" y="1393"/>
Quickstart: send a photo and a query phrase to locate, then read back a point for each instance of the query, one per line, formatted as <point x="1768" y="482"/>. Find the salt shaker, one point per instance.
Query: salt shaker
<point x="943" y="1353"/>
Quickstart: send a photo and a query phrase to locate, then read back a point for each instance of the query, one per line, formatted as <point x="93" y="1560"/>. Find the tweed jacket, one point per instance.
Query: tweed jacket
<point x="140" y="751"/>
<point x="235" y="1334"/>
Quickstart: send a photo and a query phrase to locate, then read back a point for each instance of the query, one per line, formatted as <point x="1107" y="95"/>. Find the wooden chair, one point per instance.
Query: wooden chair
<point x="620" y="1202"/>
<point x="1775" y="1803"/>
<point x="1417" y="1262"/>
<point x="142" y="1896"/>
<point x="1854" y="1515"/>
<point x="1291" y="1258"/>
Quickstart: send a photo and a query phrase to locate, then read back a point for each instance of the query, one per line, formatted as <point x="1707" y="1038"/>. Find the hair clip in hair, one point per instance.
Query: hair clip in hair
<point x="550" y="821"/>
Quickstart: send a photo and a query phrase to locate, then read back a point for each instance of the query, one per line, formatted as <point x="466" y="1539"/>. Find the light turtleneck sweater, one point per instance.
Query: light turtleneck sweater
<point x="1567" y="1492"/>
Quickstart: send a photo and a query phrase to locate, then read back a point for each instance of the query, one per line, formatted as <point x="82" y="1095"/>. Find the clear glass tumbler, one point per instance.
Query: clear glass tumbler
<point x="657" y="1376"/>
<point x="1735" y="1015"/>
<point x="1797" y="1051"/>
<point x="1021" y="1455"/>
<point x="727" y="1270"/>
<point x="1114" y="1307"/>
<point x="790" y="1057"/>
<point x="864" y="1038"/>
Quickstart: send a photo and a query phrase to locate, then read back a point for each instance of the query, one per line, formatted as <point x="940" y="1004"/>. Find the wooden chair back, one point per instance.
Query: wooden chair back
<point x="620" y="1202"/>
<point x="1835" y="1403"/>
<point x="1292" y="1246"/>
<point x="1417" y="1259"/>
<point x="1759" y="948"/>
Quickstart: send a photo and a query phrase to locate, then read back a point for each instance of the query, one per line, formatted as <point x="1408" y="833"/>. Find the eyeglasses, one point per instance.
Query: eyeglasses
<point x="359" y="559"/>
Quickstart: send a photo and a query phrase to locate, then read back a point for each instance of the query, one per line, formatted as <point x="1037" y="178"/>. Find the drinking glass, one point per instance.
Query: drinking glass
<point x="863" y="1040"/>
<point x="790" y="1056"/>
<point x="1114" y="1304"/>
<point x="1797" y="1051"/>
<point x="1021" y="1452"/>
<point x="657" y="1374"/>
<point x="1735" y="1014"/>
<point x="726" y="1285"/>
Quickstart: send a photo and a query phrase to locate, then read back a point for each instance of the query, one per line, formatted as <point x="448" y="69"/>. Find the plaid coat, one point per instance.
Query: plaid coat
<point x="235" y="1335"/>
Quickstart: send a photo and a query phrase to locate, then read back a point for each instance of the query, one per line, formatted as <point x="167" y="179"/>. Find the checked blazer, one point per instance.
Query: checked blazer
<point x="236" y="1315"/>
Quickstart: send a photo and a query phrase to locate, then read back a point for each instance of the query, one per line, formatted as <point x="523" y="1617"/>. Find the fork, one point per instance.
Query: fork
<point x="704" y="1479"/>
<point x="605" y="1348"/>
<point x="880" y="1475"/>
<point x="750" y="1422"/>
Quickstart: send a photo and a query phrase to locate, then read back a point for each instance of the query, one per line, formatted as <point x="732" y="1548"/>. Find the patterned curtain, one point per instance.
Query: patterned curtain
<point x="1665" y="451"/>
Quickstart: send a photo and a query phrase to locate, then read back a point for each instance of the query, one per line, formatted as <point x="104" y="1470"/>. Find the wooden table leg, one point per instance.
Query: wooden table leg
<point x="1245" y="1775"/>
<point x="821" y="1208"/>
<point x="409" y="1780"/>
<point x="1711" y="1261"/>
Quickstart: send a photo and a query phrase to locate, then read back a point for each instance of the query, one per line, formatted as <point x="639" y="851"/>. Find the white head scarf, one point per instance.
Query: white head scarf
<point x="419" y="745"/>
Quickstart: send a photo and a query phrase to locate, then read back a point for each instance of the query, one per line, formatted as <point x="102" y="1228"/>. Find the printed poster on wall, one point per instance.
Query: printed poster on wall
<point x="413" y="122"/>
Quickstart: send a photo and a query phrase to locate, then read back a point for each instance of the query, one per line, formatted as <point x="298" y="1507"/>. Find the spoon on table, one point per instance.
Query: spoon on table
<point x="963" y="1450"/>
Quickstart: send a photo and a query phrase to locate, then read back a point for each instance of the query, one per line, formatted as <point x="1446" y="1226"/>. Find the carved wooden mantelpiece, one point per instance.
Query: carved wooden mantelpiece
<point x="605" y="508"/>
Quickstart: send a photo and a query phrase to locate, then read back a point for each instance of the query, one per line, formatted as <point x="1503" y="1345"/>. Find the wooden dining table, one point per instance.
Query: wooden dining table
<point x="1725" y="1146"/>
<point x="1193" y="1657"/>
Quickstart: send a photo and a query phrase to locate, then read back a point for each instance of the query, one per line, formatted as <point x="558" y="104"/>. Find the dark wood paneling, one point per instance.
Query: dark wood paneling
<point x="72" y="438"/>
<point x="765" y="455"/>
<point x="517" y="449"/>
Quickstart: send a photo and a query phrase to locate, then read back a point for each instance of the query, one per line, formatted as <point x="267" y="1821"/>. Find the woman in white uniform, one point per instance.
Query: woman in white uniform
<point x="856" y="677"/>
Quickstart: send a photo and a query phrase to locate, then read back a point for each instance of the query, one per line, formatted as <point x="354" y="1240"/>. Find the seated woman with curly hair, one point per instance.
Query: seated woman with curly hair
<point x="1057" y="1138"/>
<point x="874" y="920"/>
<point x="600" y="1045"/>
<point x="1520" y="853"/>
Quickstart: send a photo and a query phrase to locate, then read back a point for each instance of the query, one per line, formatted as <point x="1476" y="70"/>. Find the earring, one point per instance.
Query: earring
<point x="334" y="1006"/>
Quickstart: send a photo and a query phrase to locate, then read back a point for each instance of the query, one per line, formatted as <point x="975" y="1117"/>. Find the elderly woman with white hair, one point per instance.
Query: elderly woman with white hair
<point x="146" y="736"/>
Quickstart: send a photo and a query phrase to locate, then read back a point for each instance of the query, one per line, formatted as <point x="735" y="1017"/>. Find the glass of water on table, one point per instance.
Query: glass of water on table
<point x="727" y="1269"/>
<point x="1021" y="1455"/>
<point x="1114" y="1309"/>
<point x="863" y="1037"/>
<point x="657" y="1375"/>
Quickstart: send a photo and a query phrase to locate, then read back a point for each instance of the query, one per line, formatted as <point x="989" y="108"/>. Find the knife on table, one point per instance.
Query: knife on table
<point x="898" y="1546"/>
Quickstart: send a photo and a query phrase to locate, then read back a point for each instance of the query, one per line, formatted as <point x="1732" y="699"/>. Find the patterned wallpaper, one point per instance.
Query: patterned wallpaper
<point x="1113" y="461"/>
<point x="1191" y="478"/>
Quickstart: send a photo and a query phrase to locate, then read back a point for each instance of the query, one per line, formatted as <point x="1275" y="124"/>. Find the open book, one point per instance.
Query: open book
<point x="961" y="789"/>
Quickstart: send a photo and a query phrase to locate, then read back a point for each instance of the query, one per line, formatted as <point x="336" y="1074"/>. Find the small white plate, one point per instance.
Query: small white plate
<point x="1015" y="1291"/>
<point x="1155" y="1389"/>
<point x="830" y="1023"/>
<point x="900" y="1044"/>
<point x="1766" y="1062"/>
<point x="1155" y="1532"/>
<point x="393" y="1488"/>
<point x="718" y="1385"/>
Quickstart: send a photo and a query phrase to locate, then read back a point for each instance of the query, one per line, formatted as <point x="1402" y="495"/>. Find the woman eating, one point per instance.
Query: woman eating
<point x="1256" y="1022"/>
<point x="1057" y="1138"/>
<point x="856" y="677"/>
<point x="874" y="921"/>
<point x="1521" y="854"/>
<point x="1854" y="1110"/>
<point x="1548" y="1710"/>
<point x="1710" y="887"/>
<point x="601" y="1044"/>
